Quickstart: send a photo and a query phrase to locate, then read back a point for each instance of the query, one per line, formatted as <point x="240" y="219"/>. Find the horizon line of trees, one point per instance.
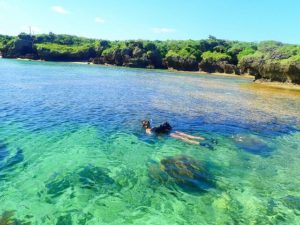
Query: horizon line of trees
<point x="210" y="55"/>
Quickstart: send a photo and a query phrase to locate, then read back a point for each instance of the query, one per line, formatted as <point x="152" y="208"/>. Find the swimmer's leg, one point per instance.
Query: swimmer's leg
<point x="189" y="136"/>
<point x="184" y="139"/>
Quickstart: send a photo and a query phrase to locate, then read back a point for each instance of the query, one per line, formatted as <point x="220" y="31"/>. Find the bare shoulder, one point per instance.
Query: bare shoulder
<point x="148" y="131"/>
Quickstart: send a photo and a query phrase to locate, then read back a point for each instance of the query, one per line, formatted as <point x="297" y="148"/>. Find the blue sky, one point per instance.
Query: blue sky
<point x="245" y="20"/>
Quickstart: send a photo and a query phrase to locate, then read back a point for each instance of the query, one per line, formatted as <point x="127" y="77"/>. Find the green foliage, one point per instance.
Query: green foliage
<point x="216" y="56"/>
<point x="268" y="46"/>
<point x="59" y="52"/>
<point x="63" y="39"/>
<point x="4" y="40"/>
<point x="149" y="46"/>
<point x="245" y="52"/>
<point x="256" y="56"/>
<point x="24" y="36"/>
<point x="114" y="46"/>
<point x="109" y="51"/>
<point x="183" y="49"/>
<point x="237" y="47"/>
<point x="172" y="53"/>
<point x="293" y="59"/>
<point x="67" y="47"/>
<point x="290" y="49"/>
<point x="59" y="48"/>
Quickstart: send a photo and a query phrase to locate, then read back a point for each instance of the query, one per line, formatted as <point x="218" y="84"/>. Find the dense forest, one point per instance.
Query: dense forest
<point x="268" y="60"/>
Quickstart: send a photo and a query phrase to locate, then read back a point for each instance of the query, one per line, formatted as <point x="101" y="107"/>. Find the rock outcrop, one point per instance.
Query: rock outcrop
<point x="50" y="55"/>
<point x="271" y="69"/>
<point x="136" y="58"/>
<point x="212" y="66"/>
<point x="21" y="48"/>
<point x="178" y="63"/>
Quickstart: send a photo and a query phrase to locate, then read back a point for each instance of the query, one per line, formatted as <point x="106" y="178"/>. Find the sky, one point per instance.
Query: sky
<point x="244" y="20"/>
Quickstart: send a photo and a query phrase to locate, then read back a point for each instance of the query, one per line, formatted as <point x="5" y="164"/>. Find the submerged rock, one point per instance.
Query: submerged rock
<point x="90" y="177"/>
<point x="157" y="174"/>
<point x="252" y="144"/>
<point x="7" y="218"/>
<point x="3" y="152"/>
<point x="126" y="178"/>
<point x="186" y="172"/>
<point x="59" y="185"/>
<point x="64" y="220"/>
<point x="291" y="202"/>
<point x="73" y="217"/>
<point x="16" y="159"/>
<point x="7" y="162"/>
<point x="96" y="178"/>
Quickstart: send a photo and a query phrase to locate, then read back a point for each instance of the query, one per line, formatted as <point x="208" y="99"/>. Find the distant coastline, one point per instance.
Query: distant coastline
<point x="266" y="83"/>
<point x="165" y="70"/>
<point x="265" y="61"/>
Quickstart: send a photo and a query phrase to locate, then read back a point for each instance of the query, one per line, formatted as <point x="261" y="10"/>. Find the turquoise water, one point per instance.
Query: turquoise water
<point x="72" y="150"/>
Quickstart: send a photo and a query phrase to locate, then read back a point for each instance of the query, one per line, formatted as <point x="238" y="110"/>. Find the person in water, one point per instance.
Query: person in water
<point x="166" y="128"/>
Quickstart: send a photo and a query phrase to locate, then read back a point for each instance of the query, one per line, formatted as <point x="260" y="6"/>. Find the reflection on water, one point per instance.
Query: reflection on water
<point x="72" y="150"/>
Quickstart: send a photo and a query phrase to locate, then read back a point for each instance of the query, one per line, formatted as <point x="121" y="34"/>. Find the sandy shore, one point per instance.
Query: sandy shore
<point x="81" y="63"/>
<point x="214" y="74"/>
<point x="278" y="85"/>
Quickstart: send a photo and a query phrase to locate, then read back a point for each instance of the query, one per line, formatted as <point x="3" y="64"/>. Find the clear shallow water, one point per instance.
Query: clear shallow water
<point x="72" y="150"/>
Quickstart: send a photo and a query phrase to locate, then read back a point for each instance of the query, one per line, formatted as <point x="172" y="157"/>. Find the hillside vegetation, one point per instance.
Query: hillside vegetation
<point x="268" y="60"/>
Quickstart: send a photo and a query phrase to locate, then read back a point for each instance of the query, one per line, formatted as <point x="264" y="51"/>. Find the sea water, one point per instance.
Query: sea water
<point x="72" y="150"/>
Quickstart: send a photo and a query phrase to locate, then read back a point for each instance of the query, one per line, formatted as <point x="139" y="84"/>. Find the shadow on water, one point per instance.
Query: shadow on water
<point x="58" y="185"/>
<point x="96" y="178"/>
<point x="6" y="162"/>
<point x="252" y="144"/>
<point x="90" y="177"/>
<point x="250" y="137"/>
<point x="64" y="220"/>
<point x="3" y="152"/>
<point x="16" y="159"/>
<point x="74" y="217"/>
<point x="292" y="202"/>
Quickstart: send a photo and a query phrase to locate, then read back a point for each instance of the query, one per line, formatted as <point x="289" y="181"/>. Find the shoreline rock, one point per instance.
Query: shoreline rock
<point x="261" y="81"/>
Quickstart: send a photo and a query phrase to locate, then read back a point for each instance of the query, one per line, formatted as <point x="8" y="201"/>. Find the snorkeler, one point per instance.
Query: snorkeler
<point x="166" y="128"/>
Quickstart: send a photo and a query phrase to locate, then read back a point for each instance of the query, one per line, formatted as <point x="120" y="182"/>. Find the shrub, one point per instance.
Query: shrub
<point x="245" y="52"/>
<point x="216" y="56"/>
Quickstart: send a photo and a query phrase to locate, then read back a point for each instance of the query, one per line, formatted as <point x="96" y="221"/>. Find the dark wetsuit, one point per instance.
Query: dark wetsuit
<point x="164" y="128"/>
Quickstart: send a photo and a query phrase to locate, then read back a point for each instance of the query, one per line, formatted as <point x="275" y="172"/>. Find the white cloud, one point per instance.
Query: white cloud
<point x="59" y="9"/>
<point x="34" y="29"/>
<point x="99" y="20"/>
<point x="163" y="30"/>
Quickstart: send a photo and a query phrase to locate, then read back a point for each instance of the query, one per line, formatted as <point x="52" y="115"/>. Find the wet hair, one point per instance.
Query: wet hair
<point x="146" y="124"/>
